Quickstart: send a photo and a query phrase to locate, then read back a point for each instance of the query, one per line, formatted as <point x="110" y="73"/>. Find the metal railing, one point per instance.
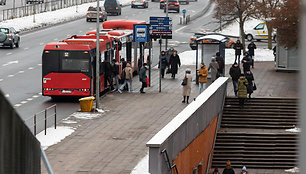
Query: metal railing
<point x="31" y="9"/>
<point x="170" y="167"/>
<point x="43" y="116"/>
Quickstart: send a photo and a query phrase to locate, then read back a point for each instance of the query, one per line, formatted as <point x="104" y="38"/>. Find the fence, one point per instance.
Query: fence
<point x="42" y="117"/>
<point x="31" y="9"/>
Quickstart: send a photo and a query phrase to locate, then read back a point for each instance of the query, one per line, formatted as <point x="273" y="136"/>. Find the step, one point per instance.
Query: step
<point x="289" y="117"/>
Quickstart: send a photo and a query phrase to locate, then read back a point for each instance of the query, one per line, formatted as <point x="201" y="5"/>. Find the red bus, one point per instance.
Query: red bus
<point x="68" y="66"/>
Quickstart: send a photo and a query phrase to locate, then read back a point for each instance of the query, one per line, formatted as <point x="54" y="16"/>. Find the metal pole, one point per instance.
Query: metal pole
<point x="150" y="59"/>
<point x="141" y="53"/>
<point x="34" y="14"/>
<point x="160" y="49"/>
<point x="202" y="53"/>
<point x="14" y="10"/>
<point x="55" y="116"/>
<point x="45" y="121"/>
<point x="35" y="125"/>
<point x="166" y="44"/>
<point x="98" y="58"/>
<point x="46" y="162"/>
<point x="197" y="58"/>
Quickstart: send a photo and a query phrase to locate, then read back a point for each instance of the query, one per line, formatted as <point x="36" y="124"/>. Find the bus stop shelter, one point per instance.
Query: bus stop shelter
<point x="206" y="49"/>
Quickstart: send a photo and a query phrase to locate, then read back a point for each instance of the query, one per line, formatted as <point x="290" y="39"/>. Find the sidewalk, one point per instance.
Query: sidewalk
<point x="115" y="142"/>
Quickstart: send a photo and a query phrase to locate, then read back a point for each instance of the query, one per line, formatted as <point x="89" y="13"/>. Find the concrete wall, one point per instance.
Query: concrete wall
<point x="184" y="129"/>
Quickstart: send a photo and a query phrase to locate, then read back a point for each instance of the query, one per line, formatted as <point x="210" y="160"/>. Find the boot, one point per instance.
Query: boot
<point x="184" y="99"/>
<point x="187" y="99"/>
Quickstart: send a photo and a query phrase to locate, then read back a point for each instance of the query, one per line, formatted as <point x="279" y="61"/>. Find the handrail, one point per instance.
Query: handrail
<point x="170" y="167"/>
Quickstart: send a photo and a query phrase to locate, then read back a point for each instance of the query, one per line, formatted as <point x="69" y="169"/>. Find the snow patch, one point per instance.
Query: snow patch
<point x="142" y="166"/>
<point x="86" y="115"/>
<point x="100" y="110"/>
<point x="293" y="170"/>
<point x="53" y="136"/>
<point x="294" y="130"/>
<point x="69" y="122"/>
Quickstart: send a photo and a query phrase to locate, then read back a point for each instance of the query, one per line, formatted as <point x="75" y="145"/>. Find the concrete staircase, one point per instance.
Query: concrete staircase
<point x="255" y="135"/>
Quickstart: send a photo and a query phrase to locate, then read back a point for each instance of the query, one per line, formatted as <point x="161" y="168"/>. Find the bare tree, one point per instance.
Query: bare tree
<point x="239" y="10"/>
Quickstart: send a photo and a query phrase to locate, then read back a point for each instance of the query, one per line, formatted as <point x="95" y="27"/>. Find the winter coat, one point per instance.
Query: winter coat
<point x="187" y="88"/>
<point x="247" y="64"/>
<point x="235" y="72"/>
<point x="214" y="70"/>
<point x="221" y="64"/>
<point x="251" y="48"/>
<point x="174" y="62"/>
<point x="250" y="79"/>
<point x="164" y="62"/>
<point x="238" y="47"/>
<point x="115" y="69"/>
<point x="128" y="71"/>
<point x="242" y="87"/>
<point x="228" y="171"/>
<point x="202" y="73"/>
<point x="142" y="74"/>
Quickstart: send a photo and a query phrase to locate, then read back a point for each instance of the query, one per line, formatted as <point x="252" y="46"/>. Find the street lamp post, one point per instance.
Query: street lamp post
<point x="166" y="44"/>
<point x="98" y="58"/>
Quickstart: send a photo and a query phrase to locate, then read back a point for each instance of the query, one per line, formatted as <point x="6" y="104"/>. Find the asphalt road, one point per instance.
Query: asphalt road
<point x="20" y="68"/>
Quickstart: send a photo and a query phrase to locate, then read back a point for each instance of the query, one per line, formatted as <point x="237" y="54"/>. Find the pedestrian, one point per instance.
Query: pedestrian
<point x="228" y="169"/>
<point x="274" y="53"/>
<point x="251" y="50"/>
<point x="115" y="73"/>
<point x="213" y="66"/>
<point x="187" y="87"/>
<point x="108" y="75"/>
<point x="164" y="63"/>
<point x="238" y="47"/>
<point x="174" y="62"/>
<point x="123" y="63"/>
<point x="242" y="89"/>
<point x="128" y="77"/>
<point x="202" y="73"/>
<point x="235" y="74"/>
<point x="246" y="62"/>
<point x="216" y="171"/>
<point x="221" y="64"/>
<point x="249" y="76"/>
<point x="143" y="77"/>
<point x="169" y="53"/>
<point x="244" y="170"/>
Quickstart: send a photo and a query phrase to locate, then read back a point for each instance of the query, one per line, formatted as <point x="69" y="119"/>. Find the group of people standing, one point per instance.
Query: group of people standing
<point x="170" y="62"/>
<point x="243" y="82"/>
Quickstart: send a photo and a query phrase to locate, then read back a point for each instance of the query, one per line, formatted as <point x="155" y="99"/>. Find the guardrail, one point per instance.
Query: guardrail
<point x="31" y="9"/>
<point x="42" y="116"/>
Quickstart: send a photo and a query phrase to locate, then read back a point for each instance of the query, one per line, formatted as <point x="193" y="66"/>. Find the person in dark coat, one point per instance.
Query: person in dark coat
<point x="213" y="66"/>
<point x="221" y="64"/>
<point x="174" y="63"/>
<point x="247" y="61"/>
<point x="169" y="53"/>
<point x="108" y="75"/>
<point x="228" y="169"/>
<point x="251" y="50"/>
<point x="238" y="47"/>
<point x="123" y="62"/>
<point x="249" y="76"/>
<point x="143" y="77"/>
<point x="164" y="63"/>
<point x="115" y="73"/>
<point x="235" y="74"/>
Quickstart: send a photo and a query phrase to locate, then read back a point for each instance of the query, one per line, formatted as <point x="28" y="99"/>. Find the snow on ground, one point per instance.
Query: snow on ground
<point x="86" y="115"/>
<point x="142" y="167"/>
<point x="293" y="130"/>
<point x="52" y="17"/>
<point x="188" y="57"/>
<point x="53" y="136"/>
<point x="293" y="170"/>
<point x="233" y="28"/>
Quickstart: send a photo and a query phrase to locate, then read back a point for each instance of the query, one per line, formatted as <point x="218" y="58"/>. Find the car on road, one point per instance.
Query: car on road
<point x="92" y="14"/>
<point x="140" y="3"/>
<point x="172" y="5"/>
<point x="34" y="1"/>
<point x="161" y="4"/>
<point x="2" y="2"/>
<point x="112" y="7"/>
<point x="9" y="37"/>
<point x="229" y="43"/>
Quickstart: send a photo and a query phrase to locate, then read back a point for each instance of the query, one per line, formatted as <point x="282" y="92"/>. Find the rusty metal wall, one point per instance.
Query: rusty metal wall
<point x="19" y="149"/>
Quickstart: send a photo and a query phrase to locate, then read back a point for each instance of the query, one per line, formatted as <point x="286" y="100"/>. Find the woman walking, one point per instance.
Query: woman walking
<point x="249" y="76"/>
<point x="187" y="87"/>
<point x="175" y="63"/>
<point x="202" y="73"/>
<point x="242" y="89"/>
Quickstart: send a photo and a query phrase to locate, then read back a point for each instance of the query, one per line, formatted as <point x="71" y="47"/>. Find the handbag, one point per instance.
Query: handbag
<point x="148" y="81"/>
<point x="254" y="87"/>
<point x="184" y="83"/>
<point x="168" y="70"/>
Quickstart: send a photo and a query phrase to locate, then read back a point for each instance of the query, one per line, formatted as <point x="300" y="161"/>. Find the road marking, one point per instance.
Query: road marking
<point x="35" y="96"/>
<point x="20" y="72"/>
<point x="24" y="102"/>
<point x="180" y="29"/>
<point x="7" y="95"/>
<point x="10" y="75"/>
<point x="9" y="54"/>
<point x="11" y="62"/>
<point x="1" y="80"/>
<point x="31" y="68"/>
<point x="30" y="99"/>
<point x="26" y="48"/>
<point x="17" y="105"/>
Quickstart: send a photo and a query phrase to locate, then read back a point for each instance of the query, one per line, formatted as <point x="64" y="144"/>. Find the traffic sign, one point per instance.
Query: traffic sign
<point x="141" y="33"/>
<point x="184" y="10"/>
<point x="161" y="26"/>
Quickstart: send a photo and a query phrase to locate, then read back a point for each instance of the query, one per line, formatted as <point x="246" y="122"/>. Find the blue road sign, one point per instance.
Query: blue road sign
<point x="184" y="10"/>
<point x="162" y="28"/>
<point x="141" y="33"/>
<point x="161" y="25"/>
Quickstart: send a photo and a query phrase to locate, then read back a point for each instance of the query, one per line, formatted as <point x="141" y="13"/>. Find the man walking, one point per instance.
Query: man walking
<point x="235" y="74"/>
<point x="238" y="47"/>
<point x="251" y="51"/>
<point x="143" y="77"/>
<point x="128" y="76"/>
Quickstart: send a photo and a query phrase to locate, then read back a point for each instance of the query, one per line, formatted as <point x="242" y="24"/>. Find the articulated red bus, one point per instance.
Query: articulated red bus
<point x="68" y="66"/>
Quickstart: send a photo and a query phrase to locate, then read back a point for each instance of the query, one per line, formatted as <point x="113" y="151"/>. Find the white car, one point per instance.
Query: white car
<point x="260" y="32"/>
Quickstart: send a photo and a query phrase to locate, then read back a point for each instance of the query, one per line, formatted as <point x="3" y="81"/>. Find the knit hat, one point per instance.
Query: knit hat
<point x="244" y="168"/>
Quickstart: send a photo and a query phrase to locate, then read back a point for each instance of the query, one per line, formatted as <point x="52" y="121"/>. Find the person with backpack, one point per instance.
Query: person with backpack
<point x="143" y="77"/>
<point x="128" y="78"/>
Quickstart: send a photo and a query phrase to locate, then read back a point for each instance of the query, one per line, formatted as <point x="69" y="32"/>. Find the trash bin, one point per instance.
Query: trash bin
<point x="86" y="103"/>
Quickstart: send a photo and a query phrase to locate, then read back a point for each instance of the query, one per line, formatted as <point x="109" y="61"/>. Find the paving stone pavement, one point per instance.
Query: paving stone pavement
<point x="116" y="141"/>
